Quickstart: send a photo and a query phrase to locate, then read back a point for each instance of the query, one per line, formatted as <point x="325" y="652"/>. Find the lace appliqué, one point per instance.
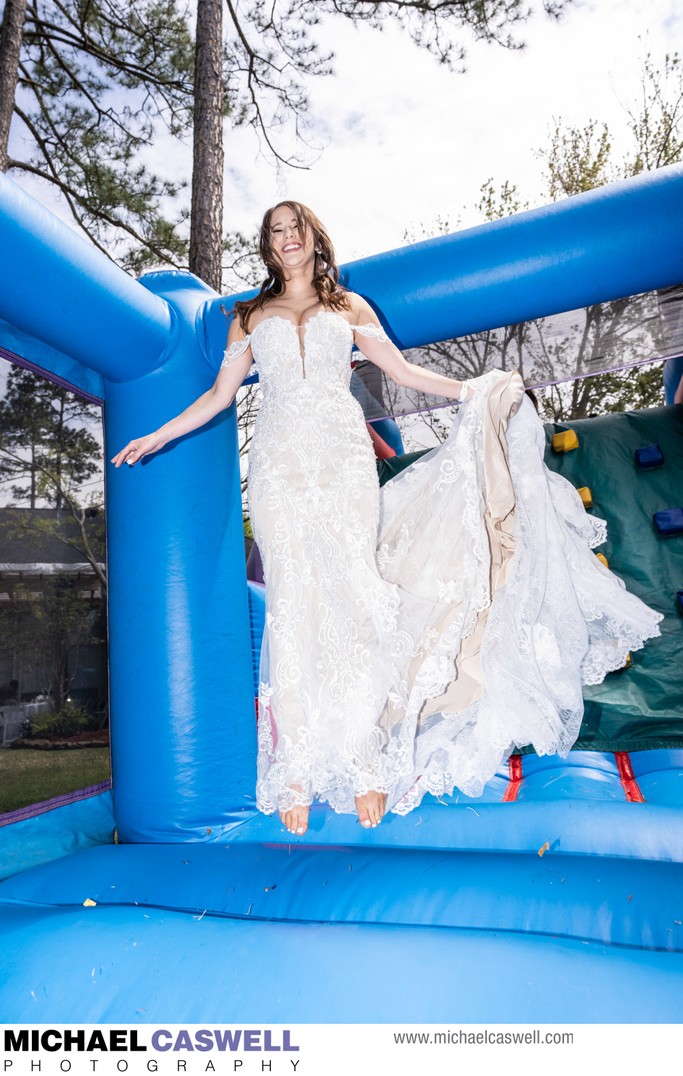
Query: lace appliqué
<point x="234" y="350"/>
<point x="371" y="330"/>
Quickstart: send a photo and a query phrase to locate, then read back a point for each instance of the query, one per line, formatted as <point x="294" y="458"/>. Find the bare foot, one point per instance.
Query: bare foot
<point x="371" y="808"/>
<point x="295" y="819"/>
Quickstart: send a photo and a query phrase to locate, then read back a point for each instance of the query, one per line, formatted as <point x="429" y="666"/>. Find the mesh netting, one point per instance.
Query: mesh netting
<point x="578" y="343"/>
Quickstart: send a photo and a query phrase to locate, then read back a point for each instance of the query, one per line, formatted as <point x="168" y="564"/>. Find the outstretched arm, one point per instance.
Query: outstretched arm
<point x="387" y="356"/>
<point x="221" y="394"/>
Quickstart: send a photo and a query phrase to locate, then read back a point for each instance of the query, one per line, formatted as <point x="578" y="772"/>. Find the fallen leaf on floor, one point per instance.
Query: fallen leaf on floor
<point x="544" y="848"/>
<point x="88" y="903"/>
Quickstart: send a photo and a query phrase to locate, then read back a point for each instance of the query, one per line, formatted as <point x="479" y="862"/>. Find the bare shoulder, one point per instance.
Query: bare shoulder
<point x="235" y="328"/>
<point x="361" y="311"/>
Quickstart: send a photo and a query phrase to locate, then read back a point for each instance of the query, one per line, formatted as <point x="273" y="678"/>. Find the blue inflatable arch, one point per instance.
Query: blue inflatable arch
<point x="182" y="699"/>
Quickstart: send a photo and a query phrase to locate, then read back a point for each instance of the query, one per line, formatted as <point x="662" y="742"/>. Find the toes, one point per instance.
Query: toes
<point x="362" y="808"/>
<point x="295" y="820"/>
<point x="376" y="803"/>
<point x="301" y="821"/>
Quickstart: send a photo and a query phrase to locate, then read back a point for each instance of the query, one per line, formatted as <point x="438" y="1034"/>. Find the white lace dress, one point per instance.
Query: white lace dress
<point x="417" y="634"/>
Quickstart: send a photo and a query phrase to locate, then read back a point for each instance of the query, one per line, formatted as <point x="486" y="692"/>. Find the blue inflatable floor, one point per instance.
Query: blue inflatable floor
<point x="306" y="934"/>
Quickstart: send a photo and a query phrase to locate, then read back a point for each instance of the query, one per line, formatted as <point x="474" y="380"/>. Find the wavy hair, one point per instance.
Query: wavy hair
<point x="331" y="294"/>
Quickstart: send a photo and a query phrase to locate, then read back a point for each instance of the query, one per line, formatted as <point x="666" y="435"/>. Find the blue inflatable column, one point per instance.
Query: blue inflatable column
<point x="182" y="696"/>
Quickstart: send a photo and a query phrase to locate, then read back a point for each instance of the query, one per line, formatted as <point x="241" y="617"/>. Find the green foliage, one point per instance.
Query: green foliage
<point x="496" y="202"/>
<point x="96" y="79"/>
<point x="656" y="122"/>
<point x="619" y="390"/>
<point x="46" y="452"/>
<point x="49" y="625"/>
<point x="577" y="159"/>
<point x="68" y="721"/>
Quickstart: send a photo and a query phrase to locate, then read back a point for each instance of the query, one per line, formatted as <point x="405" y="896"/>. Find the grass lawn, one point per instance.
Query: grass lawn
<point x="28" y="776"/>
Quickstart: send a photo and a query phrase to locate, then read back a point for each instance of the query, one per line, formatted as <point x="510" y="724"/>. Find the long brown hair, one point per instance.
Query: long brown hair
<point x="325" y="272"/>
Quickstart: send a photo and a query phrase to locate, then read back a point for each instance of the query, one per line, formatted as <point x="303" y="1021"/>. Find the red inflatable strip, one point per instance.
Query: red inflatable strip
<point x="627" y="777"/>
<point x="516" y="778"/>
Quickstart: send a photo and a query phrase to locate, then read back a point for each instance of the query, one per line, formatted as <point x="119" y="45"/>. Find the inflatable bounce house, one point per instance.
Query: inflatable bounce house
<point x="556" y="896"/>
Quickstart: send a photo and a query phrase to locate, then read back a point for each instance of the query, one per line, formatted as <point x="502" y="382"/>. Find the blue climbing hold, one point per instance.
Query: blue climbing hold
<point x="648" y="457"/>
<point x="669" y="521"/>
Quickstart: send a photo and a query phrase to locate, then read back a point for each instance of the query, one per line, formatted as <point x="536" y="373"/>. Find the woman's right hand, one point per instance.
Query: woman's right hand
<point x="139" y="447"/>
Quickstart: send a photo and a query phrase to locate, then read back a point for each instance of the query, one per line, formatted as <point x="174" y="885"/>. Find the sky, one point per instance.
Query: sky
<point x="408" y="142"/>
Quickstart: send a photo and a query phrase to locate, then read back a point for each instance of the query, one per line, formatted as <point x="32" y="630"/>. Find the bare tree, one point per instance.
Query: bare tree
<point x="206" y="218"/>
<point x="11" y="34"/>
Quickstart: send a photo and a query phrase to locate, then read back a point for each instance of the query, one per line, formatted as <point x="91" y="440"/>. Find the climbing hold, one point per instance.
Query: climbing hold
<point x="649" y="456"/>
<point x="586" y="496"/>
<point x="679" y="601"/>
<point x="603" y="559"/>
<point x="669" y="521"/>
<point x="626" y="665"/>
<point x="565" y="441"/>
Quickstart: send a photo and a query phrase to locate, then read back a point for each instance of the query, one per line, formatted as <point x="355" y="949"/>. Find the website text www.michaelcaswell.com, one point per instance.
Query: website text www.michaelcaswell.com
<point x="463" y="1037"/>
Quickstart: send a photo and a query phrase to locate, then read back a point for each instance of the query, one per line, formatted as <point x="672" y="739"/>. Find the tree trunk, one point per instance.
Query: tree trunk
<point x="11" y="34"/>
<point x="206" y="223"/>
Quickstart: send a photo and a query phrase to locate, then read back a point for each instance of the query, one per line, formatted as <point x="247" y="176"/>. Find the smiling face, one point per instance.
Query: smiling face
<point x="290" y="240"/>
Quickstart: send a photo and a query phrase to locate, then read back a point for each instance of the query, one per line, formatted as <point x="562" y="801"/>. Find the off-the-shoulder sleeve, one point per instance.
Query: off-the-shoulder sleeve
<point x="370" y="329"/>
<point x="235" y="349"/>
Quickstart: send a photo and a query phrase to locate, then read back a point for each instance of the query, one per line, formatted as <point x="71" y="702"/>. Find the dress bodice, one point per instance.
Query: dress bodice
<point x="315" y="355"/>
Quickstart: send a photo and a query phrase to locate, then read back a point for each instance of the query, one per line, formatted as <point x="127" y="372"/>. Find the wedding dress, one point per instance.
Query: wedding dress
<point x="416" y="634"/>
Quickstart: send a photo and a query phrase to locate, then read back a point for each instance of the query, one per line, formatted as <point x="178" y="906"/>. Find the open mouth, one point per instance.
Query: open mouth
<point x="291" y="246"/>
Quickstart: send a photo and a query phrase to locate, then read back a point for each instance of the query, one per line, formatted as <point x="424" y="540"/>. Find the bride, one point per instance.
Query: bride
<point x="417" y="634"/>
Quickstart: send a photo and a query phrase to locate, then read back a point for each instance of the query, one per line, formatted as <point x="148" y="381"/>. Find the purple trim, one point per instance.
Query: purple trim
<point x="57" y="801"/>
<point x="11" y="356"/>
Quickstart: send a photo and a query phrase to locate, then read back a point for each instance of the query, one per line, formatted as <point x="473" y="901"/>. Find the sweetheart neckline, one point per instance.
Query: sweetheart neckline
<point x="304" y="325"/>
<point x="301" y="337"/>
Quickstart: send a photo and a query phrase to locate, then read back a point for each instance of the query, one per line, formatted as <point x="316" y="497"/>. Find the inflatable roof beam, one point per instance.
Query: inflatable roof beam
<point x="605" y="244"/>
<point x="59" y="288"/>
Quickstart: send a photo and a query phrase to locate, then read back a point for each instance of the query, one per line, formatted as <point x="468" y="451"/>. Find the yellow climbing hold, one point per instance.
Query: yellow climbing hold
<point x="586" y="496"/>
<point x="565" y="441"/>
